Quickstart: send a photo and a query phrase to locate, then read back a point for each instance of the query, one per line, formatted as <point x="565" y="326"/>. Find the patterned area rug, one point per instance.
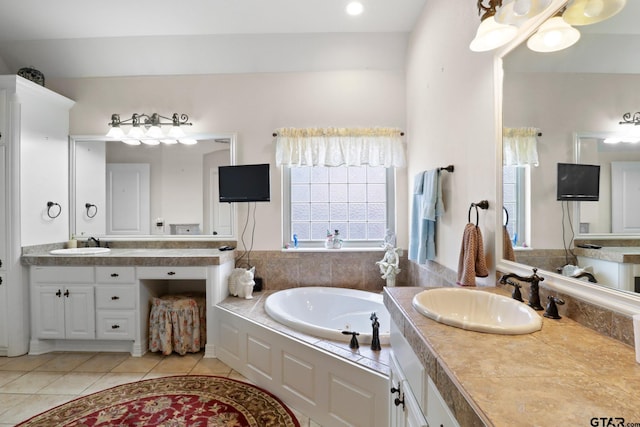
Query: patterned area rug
<point x="205" y="401"/>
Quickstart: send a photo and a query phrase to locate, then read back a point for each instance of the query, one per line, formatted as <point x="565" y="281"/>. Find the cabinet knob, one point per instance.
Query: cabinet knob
<point x="66" y="293"/>
<point x="0" y="280"/>
<point x="399" y="402"/>
<point x="114" y="275"/>
<point x="115" y="326"/>
<point x="171" y="273"/>
<point x="59" y="293"/>
<point x="0" y="263"/>
<point x="115" y="298"/>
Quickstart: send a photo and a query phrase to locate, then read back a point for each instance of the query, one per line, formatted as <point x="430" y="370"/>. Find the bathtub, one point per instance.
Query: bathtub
<point x="325" y="312"/>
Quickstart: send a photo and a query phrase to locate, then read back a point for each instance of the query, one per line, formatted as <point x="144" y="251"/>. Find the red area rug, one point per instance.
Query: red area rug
<point x="205" y="401"/>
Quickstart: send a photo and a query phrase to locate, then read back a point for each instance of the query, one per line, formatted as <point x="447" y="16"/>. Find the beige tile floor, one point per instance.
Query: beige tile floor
<point x="32" y="384"/>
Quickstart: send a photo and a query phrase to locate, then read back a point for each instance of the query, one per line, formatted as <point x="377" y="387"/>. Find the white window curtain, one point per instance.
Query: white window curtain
<point x="340" y="147"/>
<point x="520" y="146"/>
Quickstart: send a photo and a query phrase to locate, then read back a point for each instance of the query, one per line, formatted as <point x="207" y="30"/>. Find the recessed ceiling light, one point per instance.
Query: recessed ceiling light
<point x="355" y="8"/>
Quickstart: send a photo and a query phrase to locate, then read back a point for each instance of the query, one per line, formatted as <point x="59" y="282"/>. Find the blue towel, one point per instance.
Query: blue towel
<point x="427" y="206"/>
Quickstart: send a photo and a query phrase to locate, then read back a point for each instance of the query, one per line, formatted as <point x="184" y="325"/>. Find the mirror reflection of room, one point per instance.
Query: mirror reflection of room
<point x="160" y="190"/>
<point x="578" y="98"/>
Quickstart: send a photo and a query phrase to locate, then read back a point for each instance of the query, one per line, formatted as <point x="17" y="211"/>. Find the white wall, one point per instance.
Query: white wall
<point x="253" y="105"/>
<point x="4" y="69"/>
<point x="450" y="119"/>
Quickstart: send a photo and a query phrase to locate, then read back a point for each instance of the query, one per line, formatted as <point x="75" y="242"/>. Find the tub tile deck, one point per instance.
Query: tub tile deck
<point x="253" y="309"/>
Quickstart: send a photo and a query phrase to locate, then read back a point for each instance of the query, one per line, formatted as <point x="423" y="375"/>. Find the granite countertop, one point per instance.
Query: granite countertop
<point x="624" y="254"/>
<point x="565" y="374"/>
<point x="134" y="257"/>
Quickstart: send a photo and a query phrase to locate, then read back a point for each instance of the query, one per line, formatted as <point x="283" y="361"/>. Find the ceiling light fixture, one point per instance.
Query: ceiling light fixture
<point x="517" y="12"/>
<point x="355" y="8"/>
<point x="553" y="35"/>
<point x="586" y="12"/>
<point x="491" y="34"/>
<point x="147" y="129"/>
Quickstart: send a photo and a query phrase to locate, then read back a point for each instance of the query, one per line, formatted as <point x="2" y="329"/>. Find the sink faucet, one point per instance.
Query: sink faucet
<point x="534" y="280"/>
<point x="94" y="240"/>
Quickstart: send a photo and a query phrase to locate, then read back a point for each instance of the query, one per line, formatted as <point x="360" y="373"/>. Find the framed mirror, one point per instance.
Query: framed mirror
<point x="575" y="98"/>
<point x="159" y="191"/>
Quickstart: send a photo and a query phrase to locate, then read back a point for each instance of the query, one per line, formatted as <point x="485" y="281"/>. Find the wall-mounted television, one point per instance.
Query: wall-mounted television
<point x="578" y="182"/>
<point x="244" y="183"/>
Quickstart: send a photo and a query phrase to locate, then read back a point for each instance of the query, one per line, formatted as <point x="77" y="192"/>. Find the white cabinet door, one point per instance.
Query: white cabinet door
<point x="79" y="312"/>
<point x="4" y="338"/>
<point x="3" y="208"/>
<point x="128" y="198"/>
<point x="48" y="312"/>
<point x="64" y="312"/>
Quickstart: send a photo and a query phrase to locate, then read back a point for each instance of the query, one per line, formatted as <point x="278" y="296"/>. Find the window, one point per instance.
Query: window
<point x="515" y="191"/>
<point x="356" y="200"/>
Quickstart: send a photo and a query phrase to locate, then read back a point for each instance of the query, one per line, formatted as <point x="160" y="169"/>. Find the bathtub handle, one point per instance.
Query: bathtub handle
<point x="354" y="341"/>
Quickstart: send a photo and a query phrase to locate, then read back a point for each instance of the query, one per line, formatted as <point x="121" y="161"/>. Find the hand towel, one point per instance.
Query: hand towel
<point x="427" y="206"/>
<point x="507" y="246"/>
<point x="472" y="262"/>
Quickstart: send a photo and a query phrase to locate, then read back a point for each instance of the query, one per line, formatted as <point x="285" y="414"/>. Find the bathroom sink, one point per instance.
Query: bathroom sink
<point x="477" y="310"/>
<point x="80" y="251"/>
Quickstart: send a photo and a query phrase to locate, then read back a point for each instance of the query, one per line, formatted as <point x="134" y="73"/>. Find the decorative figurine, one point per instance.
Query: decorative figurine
<point x="390" y="264"/>
<point x="241" y="282"/>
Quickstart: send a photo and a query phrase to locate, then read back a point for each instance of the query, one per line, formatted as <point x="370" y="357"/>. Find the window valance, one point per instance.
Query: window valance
<point x="520" y="146"/>
<point x="339" y="147"/>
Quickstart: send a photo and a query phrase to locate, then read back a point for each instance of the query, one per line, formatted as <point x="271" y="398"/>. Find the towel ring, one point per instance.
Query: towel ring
<point x="88" y="207"/>
<point x="51" y="205"/>
<point x="483" y="204"/>
<point x="506" y="213"/>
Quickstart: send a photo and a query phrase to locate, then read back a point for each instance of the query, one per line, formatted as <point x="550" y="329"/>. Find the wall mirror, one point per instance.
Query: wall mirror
<point x="576" y="98"/>
<point x="150" y="191"/>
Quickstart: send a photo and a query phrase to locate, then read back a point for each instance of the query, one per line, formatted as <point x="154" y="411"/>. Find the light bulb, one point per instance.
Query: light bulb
<point x="355" y="8"/>
<point x="135" y="132"/>
<point x="521" y="7"/>
<point x="115" y="133"/>
<point x="169" y="141"/>
<point x="131" y="141"/>
<point x="154" y="132"/>
<point x="593" y="8"/>
<point x="176" y="132"/>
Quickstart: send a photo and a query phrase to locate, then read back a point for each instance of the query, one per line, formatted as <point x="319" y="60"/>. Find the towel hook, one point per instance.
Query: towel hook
<point x="483" y="204"/>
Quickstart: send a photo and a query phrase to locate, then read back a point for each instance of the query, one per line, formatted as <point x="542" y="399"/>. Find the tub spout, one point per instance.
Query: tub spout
<point x="375" y="338"/>
<point x="354" y="341"/>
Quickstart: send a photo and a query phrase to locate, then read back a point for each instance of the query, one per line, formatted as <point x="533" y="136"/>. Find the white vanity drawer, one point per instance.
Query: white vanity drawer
<point x="64" y="275"/>
<point x="172" y="273"/>
<point x="116" y="297"/>
<point x="115" y="274"/>
<point x="115" y="325"/>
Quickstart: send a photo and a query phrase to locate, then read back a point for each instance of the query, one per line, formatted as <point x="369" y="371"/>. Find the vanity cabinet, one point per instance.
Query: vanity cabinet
<point x="116" y="298"/>
<point x="63" y="303"/>
<point x="420" y="402"/>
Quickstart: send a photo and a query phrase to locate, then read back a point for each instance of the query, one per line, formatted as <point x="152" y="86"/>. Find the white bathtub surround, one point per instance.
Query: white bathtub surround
<point x="326" y="312"/>
<point x="323" y="378"/>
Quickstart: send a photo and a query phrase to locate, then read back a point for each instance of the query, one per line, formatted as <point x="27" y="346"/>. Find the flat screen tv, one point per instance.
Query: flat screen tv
<point x="244" y="183"/>
<point x="578" y="182"/>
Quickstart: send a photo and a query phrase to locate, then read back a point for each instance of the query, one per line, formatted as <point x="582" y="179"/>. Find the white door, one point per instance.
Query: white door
<point x="128" y="198"/>
<point x="221" y="213"/>
<point x="625" y="197"/>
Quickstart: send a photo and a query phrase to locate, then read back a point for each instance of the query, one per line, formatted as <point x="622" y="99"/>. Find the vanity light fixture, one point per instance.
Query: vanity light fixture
<point x="631" y="119"/>
<point x="517" y="12"/>
<point x="491" y="34"/>
<point x="586" y="12"/>
<point x="553" y="35"/>
<point x="147" y="129"/>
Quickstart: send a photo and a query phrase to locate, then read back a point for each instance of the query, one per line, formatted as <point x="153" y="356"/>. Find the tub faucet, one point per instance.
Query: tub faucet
<point x="375" y="339"/>
<point x="534" y="288"/>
